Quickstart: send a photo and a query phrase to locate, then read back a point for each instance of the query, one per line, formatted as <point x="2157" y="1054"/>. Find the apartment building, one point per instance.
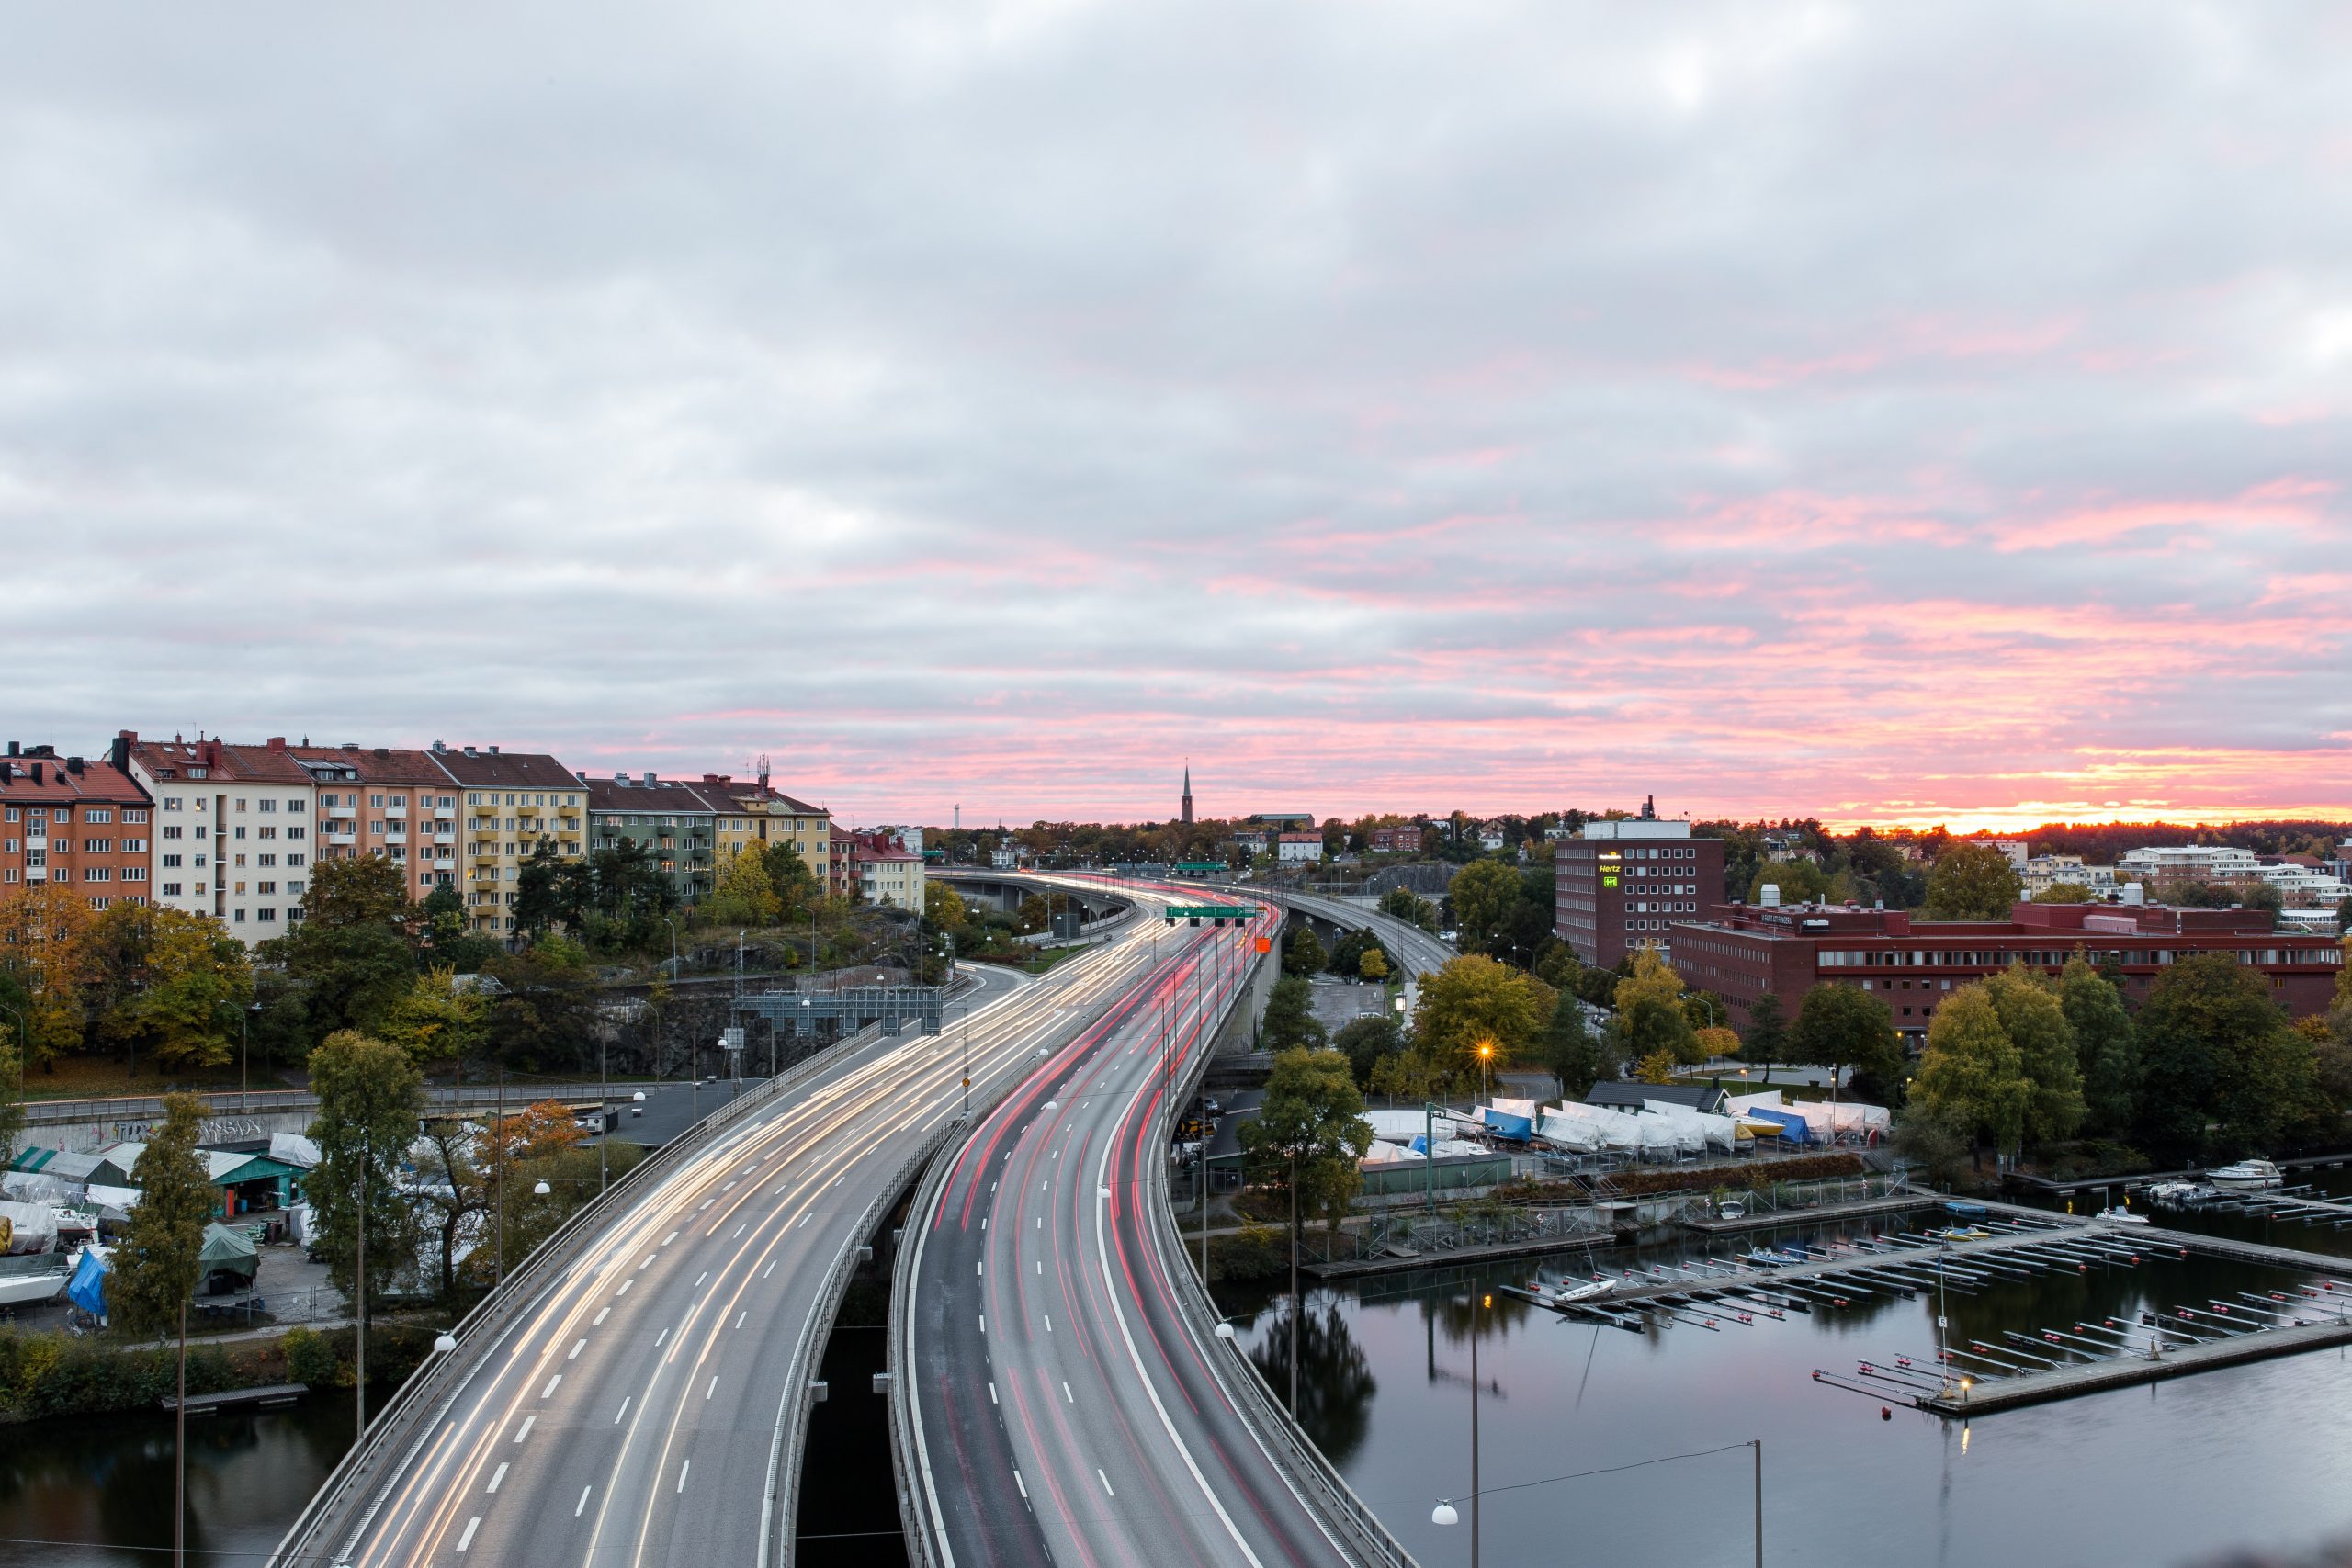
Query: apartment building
<point x="887" y="872"/>
<point x="74" y="822"/>
<point x="233" y="828"/>
<point x="2044" y="871"/>
<point x="512" y="802"/>
<point x="382" y="800"/>
<point x="672" y="820"/>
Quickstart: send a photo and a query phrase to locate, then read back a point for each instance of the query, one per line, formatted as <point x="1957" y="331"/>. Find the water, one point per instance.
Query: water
<point x="2169" y="1472"/>
<point x="96" y="1492"/>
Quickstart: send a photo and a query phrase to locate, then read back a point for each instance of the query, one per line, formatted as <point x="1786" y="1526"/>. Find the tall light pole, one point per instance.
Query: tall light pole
<point x="359" y="1313"/>
<point x="1475" y="1306"/>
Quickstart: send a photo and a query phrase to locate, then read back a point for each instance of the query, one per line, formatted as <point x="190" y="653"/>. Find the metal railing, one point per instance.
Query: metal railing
<point x="402" y="1421"/>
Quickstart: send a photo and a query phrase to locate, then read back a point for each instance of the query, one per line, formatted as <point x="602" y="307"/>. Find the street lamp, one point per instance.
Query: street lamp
<point x="1485" y="1077"/>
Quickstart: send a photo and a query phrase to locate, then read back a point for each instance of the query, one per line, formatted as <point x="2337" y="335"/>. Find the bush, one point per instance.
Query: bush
<point x="1753" y="1178"/>
<point x="310" y="1360"/>
<point x="1256" y="1252"/>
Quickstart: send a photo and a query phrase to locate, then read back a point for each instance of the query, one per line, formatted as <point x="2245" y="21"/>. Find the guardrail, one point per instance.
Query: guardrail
<point x="401" y="1422"/>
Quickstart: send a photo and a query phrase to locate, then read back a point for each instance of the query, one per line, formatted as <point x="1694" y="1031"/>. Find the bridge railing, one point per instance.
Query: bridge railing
<point x="405" y="1420"/>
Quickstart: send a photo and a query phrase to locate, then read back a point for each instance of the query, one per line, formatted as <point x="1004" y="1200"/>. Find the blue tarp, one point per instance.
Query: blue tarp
<point x="1421" y="1144"/>
<point x="1793" y="1127"/>
<point x="1508" y="1127"/>
<point x="87" y="1288"/>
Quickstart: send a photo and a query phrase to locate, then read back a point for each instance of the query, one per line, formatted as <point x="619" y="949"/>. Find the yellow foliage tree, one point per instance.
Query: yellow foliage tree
<point x="42" y="929"/>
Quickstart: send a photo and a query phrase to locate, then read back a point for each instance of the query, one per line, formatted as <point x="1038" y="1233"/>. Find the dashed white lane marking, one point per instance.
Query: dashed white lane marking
<point x="467" y="1540"/>
<point x="576" y="1349"/>
<point x="1022" y="1484"/>
<point x="660" y="1337"/>
<point x="581" y="1506"/>
<point x="804" y="1218"/>
<point x="550" y="1388"/>
<point x="708" y="1202"/>
<point x="1049" y="1321"/>
<point x="992" y="1398"/>
<point x="1066" y="1395"/>
<point x="700" y="1278"/>
<point x="622" y="1411"/>
<point x="740" y="1229"/>
<point x="688" y="1465"/>
<point x="599" y="1323"/>
<point x="627" y="1282"/>
<point x="768" y="1270"/>
<point x="666" y="1241"/>
<point x="496" y="1476"/>
<point x="984" y="1322"/>
<point x="980" y="1268"/>
<point x="1041" y="1266"/>
<point x="729" y="1188"/>
<point x="525" y="1431"/>
<point x="741" y="1315"/>
<point x="1106" y="1481"/>
<point x="713" y="1388"/>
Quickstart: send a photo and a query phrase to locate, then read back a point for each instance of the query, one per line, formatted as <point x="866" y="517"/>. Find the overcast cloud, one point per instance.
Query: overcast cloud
<point x="1880" y="412"/>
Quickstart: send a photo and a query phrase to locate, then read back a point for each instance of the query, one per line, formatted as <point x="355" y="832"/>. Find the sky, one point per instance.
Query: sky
<point x="1888" y="413"/>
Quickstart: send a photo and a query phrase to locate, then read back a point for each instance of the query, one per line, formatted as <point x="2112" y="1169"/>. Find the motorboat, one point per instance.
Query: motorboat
<point x="2122" y="1216"/>
<point x="1959" y="1233"/>
<point x="40" y="1278"/>
<point x="1590" y="1290"/>
<point x="2246" y="1174"/>
<point x="2182" y="1194"/>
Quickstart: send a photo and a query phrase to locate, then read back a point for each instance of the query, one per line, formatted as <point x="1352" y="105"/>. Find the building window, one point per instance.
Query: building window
<point x="269" y="805"/>
<point x="238" y="916"/>
<point x="171" y="889"/>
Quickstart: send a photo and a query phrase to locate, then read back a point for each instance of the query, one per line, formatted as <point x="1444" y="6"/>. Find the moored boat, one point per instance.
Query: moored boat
<point x="2246" y="1174"/>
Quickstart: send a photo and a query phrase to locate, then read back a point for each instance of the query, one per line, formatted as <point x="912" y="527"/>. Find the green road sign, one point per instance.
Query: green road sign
<point x="1220" y="913"/>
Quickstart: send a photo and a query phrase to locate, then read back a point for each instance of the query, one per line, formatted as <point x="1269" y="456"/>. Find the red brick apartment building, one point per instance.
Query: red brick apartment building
<point x="75" y="822"/>
<point x="1740" y="951"/>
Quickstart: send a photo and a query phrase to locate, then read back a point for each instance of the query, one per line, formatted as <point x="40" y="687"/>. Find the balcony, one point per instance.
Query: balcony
<point x="397" y="813"/>
<point x="442" y="837"/>
<point x="445" y="814"/>
<point x="482" y="851"/>
<point x="345" y="836"/>
<point x="484" y="830"/>
<point x="342" y="813"/>
<point x="396" y="837"/>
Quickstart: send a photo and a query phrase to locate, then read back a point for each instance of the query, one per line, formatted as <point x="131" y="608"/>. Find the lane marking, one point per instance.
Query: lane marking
<point x="700" y="1278"/>
<point x="666" y="1241"/>
<point x="496" y="1476"/>
<point x="1049" y="1321"/>
<point x="625" y="1285"/>
<point x="1066" y="1395"/>
<point x="1106" y="1480"/>
<point x="682" y="1468"/>
<point x="992" y="1398"/>
<point x="1022" y="1484"/>
<point x="525" y="1431"/>
<point x="768" y="1270"/>
<point x="550" y="1388"/>
<point x="582" y="1507"/>
<point x="660" y="1337"/>
<point x="576" y="1349"/>
<point x="984" y="1322"/>
<point x="622" y="1411"/>
<point x="713" y="1388"/>
<point x="739" y="1230"/>
<point x="604" y="1313"/>
<point x="467" y="1540"/>
<point x="741" y="1315"/>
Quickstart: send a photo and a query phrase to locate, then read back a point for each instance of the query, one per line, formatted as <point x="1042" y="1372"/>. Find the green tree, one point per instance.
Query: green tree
<point x="2037" y="1026"/>
<point x="157" y="1266"/>
<point x="1844" y="1026"/>
<point x="743" y="896"/>
<point x="1366" y="1042"/>
<point x="1409" y="906"/>
<point x="370" y="1098"/>
<point x="1373" y="964"/>
<point x="795" y="886"/>
<point x="546" y="896"/>
<point x="1767" y="1040"/>
<point x="1303" y="954"/>
<point x="1569" y="1051"/>
<point x="2215" y="1051"/>
<point x="189" y="984"/>
<point x="438" y="1021"/>
<point x="941" y="904"/>
<point x="1308" y="1135"/>
<point x="1483" y="895"/>
<point x="1290" y="1021"/>
<point x="1799" y="882"/>
<point x="1474" y="1000"/>
<point x="367" y="890"/>
<point x="1971" y="1077"/>
<point x="2065" y="892"/>
<point x="1972" y="881"/>
<point x="2105" y="1052"/>
<point x="1650" y="1014"/>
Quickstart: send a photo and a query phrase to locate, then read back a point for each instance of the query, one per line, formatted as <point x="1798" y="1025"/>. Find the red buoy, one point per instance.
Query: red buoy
<point x="1884" y="1414"/>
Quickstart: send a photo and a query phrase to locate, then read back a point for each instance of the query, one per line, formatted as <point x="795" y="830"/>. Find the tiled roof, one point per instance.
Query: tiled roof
<point x="506" y="770"/>
<point x="58" y="781"/>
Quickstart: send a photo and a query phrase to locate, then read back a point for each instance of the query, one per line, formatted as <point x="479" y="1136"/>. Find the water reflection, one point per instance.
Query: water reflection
<point x="2165" y="1473"/>
<point x="1335" y="1381"/>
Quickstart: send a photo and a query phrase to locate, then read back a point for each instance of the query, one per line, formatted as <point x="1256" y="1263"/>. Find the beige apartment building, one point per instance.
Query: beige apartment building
<point x="383" y="800"/>
<point x="510" y="804"/>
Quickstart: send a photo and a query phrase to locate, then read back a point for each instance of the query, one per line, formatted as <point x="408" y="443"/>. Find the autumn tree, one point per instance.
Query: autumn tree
<point x="1474" y="1000"/>
<point x="370" y="1097"/>
<point x="743" y="895"/>
<point x="437" y="1020"/>
<point x="1372" y="965"/>
<point x="42" y="950"/>
<point x="184" y="984"/>
<point x="2065" y="892"/>
<point x="942" y="906"/>
<point x="1972" y="881"/>
<point x="1650" y="1015"/>
<point x="1971" y="1079"/>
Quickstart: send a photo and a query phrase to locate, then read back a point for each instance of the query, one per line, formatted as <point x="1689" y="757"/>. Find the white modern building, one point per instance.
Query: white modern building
<point x="1293" y="848"/>
<point x="232" y="829"/>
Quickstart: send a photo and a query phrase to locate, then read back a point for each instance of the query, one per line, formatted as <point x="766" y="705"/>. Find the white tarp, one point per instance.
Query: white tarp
<point x="113" y="1203"/>
<point x="1384" y="1152"/>
<point x="1567" y="1131"/>
<point x="1402" y="1126"/>
<point x="293" y="1148"/>
<point x="1526" y="1108"/>
<point x="1719" y="1133"/>
<point x="1769" y="1101"/>
<point x="32" y="1227"/>
<point x="1847" y="1119"/>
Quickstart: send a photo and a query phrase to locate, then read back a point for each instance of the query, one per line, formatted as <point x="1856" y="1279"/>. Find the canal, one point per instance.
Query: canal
<point x="2169" y="1473"/>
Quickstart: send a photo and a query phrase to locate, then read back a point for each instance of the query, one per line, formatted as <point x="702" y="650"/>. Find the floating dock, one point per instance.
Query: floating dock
<point x="268" y="1397"/>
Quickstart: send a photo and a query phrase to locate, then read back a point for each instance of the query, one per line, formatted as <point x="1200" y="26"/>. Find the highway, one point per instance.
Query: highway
<point x="1416" y="950"/>
<point x="641" y="1409"/>
<point x="1065" y="1409"/>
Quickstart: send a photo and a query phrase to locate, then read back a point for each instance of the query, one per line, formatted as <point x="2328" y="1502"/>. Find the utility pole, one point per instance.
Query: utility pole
<point x="498" y="1168"/>
<point x="179" y="1450"/>
<point x="1757" y="1444"/>
<point x="604" y="1114"/>
<point x="359" y="1316"/>
<point x="1473" y="1426"/>
<point x="1295" y="1304"/>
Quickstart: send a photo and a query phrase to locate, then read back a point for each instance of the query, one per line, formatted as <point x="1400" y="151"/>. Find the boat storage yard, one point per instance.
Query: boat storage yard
<point x="1964" y="1250"/>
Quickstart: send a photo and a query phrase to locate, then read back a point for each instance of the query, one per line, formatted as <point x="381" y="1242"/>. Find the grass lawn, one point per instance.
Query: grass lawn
<point x="97" y="1078"/>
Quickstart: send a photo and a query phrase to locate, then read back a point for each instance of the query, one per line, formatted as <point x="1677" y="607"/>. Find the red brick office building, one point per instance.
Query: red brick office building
<point x="1626" y="884"/>
<point x="1741" y="950"/>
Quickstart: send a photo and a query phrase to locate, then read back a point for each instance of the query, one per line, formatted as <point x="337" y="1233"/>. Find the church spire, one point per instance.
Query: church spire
<point x="1188" y="789"/>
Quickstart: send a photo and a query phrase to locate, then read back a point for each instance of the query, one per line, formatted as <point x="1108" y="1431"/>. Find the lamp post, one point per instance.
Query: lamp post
<point x="1486" y="1083"/>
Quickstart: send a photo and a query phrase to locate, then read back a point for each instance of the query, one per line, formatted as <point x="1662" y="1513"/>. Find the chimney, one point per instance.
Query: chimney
<point x="35" y="773"/>
<point x="384" y="752"/>
<point x="1771" y="899"/>
<point x="350" y="746"/>
<point x="493" y="750"/>
<point x="648" y="778"/>
<point x="73" y="765"/>
<point x="15" y="749"/>
<point x="620" y="778"/>
<point x="469" y="750"/>
<point x="438" y="747"/>
<point x="274" y="743"/>
<point x="119" y="753"/>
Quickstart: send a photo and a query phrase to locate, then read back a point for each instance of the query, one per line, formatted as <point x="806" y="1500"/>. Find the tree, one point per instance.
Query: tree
<point x="1971" y="1079"/>
<point x="1717" y="1042"/>
<point x="1657" y="1068"/>
<point x="1373" y="964"/>
<point x="1290" y="1021"/>
<point x="1366" y="1040"/>
<point x="1303" y="954"/>
<point x="1410" y="907"/>
<point x="2065" y="892"/>
<point x="438" y="1021"/>
<point x="1650" y="1014"/>
<point x="1483" y="894"/>
<point x="193" y="983"/>
<point x="1308" y="1135"/>
<point x="1568" y="1049"/>
<point x="1799" y="882"/>
<point x="1767" y="1041"/>
<point x="2214" y="1049"/>
<point x="796" y="887"/>
<point x="1972" y="881"/>
<point x="446" y="942"/>
<point x="1844" y="1026"/>
<point x="2104" y="1053"/>
<point x="2262" y="895"/>
<point x="941" y="904"/>
<point x="1473" y="1000"/>
<point x="2037" y="1026"/>
<point x="742" y="895"/>
<point x="42" y="950"/>
<point x="370" y="1097"/>
<point x="157" y="1265"/>
<point x="367" y="890"/>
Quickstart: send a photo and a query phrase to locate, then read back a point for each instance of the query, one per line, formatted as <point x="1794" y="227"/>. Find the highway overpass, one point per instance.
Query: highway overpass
<point x="635" y="1394"/>
<point x="1058" y="1394"/>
